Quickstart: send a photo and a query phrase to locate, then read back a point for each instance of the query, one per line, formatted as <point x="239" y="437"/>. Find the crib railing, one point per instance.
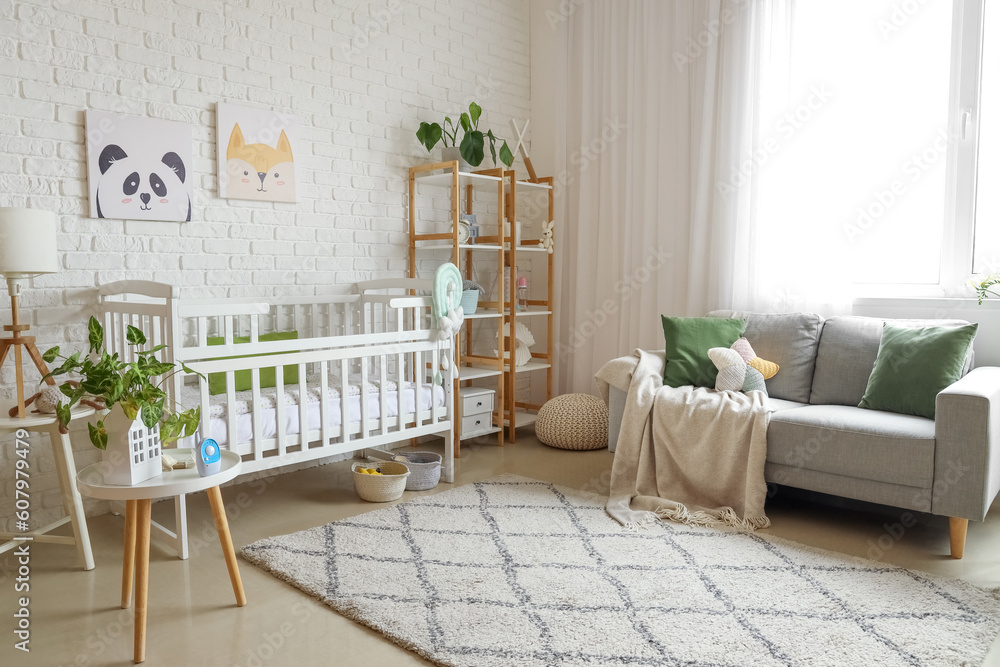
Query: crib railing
<point x="407" y="356"/>
<point x="310" y="440"/>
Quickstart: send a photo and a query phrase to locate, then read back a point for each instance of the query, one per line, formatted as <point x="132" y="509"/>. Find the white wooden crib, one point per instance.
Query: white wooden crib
<point x="366" y="363"/>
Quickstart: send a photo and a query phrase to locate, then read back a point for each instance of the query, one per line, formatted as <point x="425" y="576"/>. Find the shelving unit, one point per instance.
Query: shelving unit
<point x="490" y="183"/>
<point x="518" y="413"/>
<point x="477" y="189"/>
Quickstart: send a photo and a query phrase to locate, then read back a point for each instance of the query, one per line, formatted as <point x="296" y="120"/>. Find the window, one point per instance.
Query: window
<point x="873" y="121"/>
<point x="987" y="216"/>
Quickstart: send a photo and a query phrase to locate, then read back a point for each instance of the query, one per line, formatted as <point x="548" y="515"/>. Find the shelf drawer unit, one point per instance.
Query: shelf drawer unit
<point x="477" y="410"/>
<point x="476" y="401"/>
<point x="473" y="425"/>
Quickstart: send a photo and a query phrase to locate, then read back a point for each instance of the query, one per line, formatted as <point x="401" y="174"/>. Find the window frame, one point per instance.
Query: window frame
<point x="960" y="230"/>
<point x="961" y="161"/>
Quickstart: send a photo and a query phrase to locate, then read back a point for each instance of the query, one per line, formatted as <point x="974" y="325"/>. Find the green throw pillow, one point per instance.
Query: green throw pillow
<point x="688" y="340"/>
<point x="242" y="379"/>
<point x="913" y="365"/>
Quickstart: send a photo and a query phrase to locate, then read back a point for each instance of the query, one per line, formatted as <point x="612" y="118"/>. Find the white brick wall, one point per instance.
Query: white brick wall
<point x="359" y="75"/>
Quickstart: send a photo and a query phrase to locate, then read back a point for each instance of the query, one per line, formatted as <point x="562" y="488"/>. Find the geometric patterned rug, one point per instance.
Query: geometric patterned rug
<point x="513" y="571"/>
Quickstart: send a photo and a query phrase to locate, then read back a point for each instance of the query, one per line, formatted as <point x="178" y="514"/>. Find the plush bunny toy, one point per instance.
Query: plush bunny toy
<point x="49" y="397"/>
<point x="547" y="241"/>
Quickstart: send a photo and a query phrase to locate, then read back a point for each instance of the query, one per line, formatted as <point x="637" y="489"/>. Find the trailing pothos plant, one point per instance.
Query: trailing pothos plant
<point x="473" y="144"/>
<point x="110" y="381"/>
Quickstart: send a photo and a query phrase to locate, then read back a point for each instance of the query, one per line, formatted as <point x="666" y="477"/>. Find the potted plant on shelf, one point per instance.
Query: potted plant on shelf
<point x="471" y="151"/>
<point x="129" y="436"/>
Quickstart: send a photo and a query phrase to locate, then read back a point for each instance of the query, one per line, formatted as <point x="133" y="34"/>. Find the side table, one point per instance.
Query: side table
<point x="62" y="451"/>
<point x="137" y="523"/>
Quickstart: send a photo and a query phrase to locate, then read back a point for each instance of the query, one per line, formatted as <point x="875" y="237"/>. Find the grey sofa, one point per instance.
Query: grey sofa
<point x="818" y="439"/>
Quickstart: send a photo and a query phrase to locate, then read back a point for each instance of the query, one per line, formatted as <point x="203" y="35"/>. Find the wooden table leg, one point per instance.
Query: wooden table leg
<point x="62" y="452"/>
<point x="222" y="527"/>
<point x="141" y="576"/>
<point x="128" y="560"/>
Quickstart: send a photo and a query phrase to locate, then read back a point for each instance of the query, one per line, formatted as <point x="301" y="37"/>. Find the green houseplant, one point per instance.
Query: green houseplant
<point x="110" y="381"/>
<point x="983" y="286"/>
<point x="472" y="148"/>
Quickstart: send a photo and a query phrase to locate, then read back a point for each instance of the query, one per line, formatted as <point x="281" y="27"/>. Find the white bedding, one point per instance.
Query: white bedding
<point x="244" y="407"/>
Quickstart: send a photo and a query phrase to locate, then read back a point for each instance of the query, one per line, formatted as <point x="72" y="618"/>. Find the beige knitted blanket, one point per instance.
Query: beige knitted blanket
<point x="690" y="454"/>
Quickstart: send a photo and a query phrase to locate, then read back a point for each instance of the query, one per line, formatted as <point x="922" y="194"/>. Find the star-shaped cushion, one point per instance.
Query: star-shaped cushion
<point x="740" y="369"/>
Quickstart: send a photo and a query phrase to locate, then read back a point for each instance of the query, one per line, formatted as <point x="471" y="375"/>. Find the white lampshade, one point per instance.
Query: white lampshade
<point x="27" y="242"/>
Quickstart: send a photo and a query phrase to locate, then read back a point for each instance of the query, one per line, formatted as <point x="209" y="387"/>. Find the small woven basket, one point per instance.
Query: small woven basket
<point x="425" y="470"/>
<point x="470" y="301"/>
<point x="380" y="488"/>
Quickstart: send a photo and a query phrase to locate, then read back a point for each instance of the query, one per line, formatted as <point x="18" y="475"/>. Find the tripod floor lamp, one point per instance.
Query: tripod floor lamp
<point x="27" y="248"/>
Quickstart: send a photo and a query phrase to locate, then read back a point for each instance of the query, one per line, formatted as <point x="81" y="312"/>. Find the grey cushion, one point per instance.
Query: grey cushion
<point x="843" y="440"/>
<point x="846" y="356"/>
<point x="789" y="340"/>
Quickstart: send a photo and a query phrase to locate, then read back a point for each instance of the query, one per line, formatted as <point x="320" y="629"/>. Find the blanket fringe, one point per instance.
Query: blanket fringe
<point x="642" y="524"/>
<point x="725" y="517"/>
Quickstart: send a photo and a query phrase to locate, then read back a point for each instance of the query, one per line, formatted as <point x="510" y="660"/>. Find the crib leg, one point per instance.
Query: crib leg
<point x="449" y="456"/>
<point x="181" y="520"/>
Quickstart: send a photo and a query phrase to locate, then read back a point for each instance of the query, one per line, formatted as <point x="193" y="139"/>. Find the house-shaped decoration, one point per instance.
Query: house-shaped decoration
<point x="136" y="457"/>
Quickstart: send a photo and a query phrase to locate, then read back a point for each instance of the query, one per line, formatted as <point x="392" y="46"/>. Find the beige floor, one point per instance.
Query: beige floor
<point x="193" y="620"/>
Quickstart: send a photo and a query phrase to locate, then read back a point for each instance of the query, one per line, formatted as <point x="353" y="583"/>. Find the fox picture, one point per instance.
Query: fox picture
<point x="259" y="171"/>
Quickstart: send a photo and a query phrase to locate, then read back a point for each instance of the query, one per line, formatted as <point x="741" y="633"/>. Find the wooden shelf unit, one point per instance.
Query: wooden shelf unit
<point x="509" y="413"/>
<point x="488" y="183"/>
<point x="522" y="413"/>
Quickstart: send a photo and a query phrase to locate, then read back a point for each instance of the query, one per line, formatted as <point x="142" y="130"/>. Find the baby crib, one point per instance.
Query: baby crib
<point x="292" y="380"/>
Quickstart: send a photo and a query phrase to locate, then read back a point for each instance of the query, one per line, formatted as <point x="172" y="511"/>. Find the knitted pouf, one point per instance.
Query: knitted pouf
<point x="573" y="421"/>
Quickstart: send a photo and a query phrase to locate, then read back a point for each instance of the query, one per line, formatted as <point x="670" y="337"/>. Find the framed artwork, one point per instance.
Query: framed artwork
<point x="138" y="168"/>
<point x="257" y="150"/>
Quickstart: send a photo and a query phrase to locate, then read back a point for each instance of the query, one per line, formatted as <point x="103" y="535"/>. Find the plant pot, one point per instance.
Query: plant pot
<point x="449" y="153"/>
<point x="133" y="454"/>
<point x="470" y="301"/>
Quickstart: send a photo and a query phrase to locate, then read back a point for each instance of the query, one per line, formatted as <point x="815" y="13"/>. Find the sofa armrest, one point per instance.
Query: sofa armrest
<point x="613" y="380"/>
<point x="616" y="408"/>
<point x="967" y="447"/>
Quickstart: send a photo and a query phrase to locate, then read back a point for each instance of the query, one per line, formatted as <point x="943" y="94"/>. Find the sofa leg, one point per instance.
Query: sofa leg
<point x="958" y="528"/>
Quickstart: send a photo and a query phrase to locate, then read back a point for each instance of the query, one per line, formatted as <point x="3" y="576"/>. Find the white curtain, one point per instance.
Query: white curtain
<point x="660" y="110"/>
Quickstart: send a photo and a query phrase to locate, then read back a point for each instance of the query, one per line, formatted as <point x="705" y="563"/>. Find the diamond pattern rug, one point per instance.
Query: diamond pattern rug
<point x="514" y="571"/>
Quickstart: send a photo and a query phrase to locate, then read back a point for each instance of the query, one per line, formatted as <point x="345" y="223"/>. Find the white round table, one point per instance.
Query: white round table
<point x="62" y="453"/>
<point x="137" y="521"/>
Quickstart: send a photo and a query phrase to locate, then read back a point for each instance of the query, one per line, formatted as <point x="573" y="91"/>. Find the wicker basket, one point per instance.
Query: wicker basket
<point x="380" y="488"/>
<point x="470" y="301"/>
<point x="425" y="470"/>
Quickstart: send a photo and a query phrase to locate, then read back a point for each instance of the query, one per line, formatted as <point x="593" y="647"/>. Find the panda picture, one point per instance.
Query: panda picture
<point x="139" y="168"/>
